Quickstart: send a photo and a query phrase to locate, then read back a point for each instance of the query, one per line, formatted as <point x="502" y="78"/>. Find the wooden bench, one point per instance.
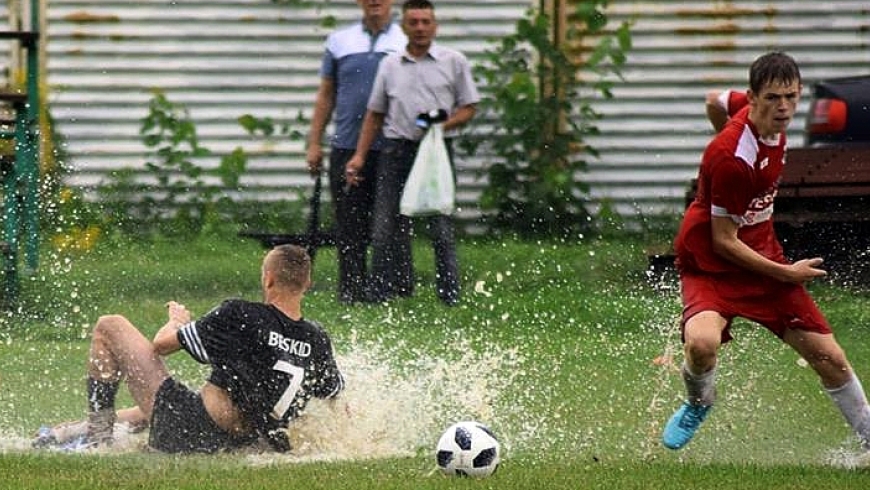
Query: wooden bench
<point x="26" y="38"/>
<point x="824" y="185"/>
<point x="820" y="185"/>
<point x="834" y="171"/>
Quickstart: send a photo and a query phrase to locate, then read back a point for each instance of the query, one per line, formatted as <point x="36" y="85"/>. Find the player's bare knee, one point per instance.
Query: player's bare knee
<point x="108" y="325"/>
<point x="701" y="346"/>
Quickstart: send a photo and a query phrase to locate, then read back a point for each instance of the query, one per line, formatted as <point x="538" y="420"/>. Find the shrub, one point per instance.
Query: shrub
<point x="538" y="113"/>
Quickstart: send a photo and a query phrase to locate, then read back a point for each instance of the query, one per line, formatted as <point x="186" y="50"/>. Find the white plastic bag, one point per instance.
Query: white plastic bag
<point x="430" y="188"/>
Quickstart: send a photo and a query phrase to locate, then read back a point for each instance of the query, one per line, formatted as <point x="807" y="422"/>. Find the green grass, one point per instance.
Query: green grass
<point x="554" y="351"/>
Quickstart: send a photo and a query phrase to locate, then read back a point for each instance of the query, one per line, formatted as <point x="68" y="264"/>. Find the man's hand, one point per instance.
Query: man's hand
<point x="314" y="158"/>
<point x="806" y="270"/>
<point x="353" y="169"/>
<point x="166" y="339"/>
<point x="177" y="312"/>
<point x="426" y="119"/>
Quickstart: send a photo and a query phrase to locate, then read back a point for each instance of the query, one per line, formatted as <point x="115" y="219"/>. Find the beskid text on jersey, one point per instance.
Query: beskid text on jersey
<point x="293" y="346"/>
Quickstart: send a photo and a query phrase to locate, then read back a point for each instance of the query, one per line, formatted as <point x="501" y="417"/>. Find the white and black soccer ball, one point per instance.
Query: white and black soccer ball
<point x="468" y="449"/>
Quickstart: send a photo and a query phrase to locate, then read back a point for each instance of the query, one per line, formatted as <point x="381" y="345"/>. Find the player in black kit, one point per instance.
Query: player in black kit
<point x="266" y="363"/>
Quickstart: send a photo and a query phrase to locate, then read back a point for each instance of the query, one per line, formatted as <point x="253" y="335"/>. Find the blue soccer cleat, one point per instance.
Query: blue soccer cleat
<point x="44" y="438"/>
<point x="683" y="424"/>
<point x="81" y="444"/>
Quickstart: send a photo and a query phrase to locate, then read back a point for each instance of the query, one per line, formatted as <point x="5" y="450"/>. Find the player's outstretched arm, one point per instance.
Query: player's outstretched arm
<point x="727" y="244"/>
<point x="166" y="340"/>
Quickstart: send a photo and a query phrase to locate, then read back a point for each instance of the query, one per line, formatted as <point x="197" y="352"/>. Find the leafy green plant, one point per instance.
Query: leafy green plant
<point x="267" y="127"/>
<point x="541" y="108"/>
<point x="183" y="197"/>
<point x="170" y="134"/>
<point x="118" y="206"/>
<point x="181" y="200"/>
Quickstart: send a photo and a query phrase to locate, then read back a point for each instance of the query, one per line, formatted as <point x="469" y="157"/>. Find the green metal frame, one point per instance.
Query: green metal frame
<point x="21" y="179"/>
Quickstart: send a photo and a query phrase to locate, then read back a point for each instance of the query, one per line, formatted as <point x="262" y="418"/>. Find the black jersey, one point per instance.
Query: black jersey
<point x="270" y="364"/>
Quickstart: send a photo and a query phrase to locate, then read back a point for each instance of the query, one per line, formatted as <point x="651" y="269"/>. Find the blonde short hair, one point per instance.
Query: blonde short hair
<point x="291" y="265"/>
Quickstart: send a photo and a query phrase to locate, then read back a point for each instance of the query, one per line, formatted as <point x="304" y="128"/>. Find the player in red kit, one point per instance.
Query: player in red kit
<point x="731" y="263"/>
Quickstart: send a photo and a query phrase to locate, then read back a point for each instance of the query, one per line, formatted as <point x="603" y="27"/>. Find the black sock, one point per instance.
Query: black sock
<point x="101" y="394"/>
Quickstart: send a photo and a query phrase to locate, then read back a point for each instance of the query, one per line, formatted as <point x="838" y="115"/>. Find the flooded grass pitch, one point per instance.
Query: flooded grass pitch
<point x="568" y="354"/>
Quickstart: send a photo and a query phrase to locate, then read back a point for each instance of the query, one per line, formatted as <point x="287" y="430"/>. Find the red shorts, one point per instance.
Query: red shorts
<point x="775" y="305"/>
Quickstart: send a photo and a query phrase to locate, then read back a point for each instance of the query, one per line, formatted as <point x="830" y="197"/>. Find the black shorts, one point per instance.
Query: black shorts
<point x="180" y="423"/>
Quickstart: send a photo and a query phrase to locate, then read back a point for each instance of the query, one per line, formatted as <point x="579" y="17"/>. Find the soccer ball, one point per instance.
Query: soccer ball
<point x="468" y="449"/>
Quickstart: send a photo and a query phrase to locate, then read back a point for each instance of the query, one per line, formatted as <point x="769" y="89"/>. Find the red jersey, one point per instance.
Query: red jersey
<point x="738" y="179"/>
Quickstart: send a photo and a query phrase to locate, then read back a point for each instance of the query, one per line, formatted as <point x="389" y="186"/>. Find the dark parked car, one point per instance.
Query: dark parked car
<point x="839" y="113"/>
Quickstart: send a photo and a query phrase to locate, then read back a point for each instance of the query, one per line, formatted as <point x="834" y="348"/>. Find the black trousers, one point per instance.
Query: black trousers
<point x="353" y="217"/>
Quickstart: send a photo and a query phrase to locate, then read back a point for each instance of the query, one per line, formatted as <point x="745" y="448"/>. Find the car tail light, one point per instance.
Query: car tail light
<point x="828" y="116"/>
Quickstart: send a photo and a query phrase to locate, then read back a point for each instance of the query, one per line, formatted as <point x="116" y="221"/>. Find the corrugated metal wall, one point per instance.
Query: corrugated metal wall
<point x="225" y="58"/>
<point x="221" y="59"/>
<point x="654" y="130"/>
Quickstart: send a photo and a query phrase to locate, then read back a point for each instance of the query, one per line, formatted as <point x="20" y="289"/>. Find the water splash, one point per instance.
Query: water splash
<point x="395" y="408"/>
<point x="395" y="403"/>
<point x="846" y="457"/>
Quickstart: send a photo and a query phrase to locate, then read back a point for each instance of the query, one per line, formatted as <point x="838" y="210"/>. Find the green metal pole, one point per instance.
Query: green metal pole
<point x="31" y="161"/>
<point x="31" y="147"/>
